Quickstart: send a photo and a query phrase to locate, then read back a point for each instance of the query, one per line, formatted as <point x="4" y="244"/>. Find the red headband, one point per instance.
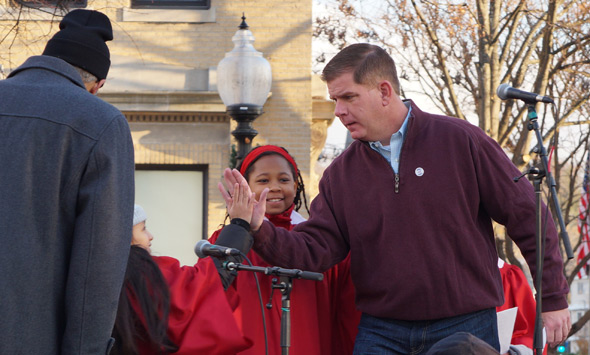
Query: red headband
<point x="255" y="153"/>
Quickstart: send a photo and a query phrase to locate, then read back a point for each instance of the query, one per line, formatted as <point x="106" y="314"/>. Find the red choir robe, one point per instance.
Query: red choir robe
<point x="201" y="320"/>
<point x="518" y="293"/>
<point x="324" y="318"/>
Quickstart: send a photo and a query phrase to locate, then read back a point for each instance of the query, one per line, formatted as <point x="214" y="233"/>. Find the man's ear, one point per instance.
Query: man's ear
<point x="94" y="89"/>
<point x="386" y="90"/>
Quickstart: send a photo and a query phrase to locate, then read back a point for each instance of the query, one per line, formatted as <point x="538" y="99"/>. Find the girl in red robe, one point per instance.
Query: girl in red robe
<point x="167" y="308"/>
<point x="518" y="293"/>
<point x="324" y="318"/>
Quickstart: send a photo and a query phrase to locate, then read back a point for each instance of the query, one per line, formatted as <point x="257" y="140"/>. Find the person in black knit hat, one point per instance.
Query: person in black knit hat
<point x="67" y="192"/>
<point x="81" y="43"/>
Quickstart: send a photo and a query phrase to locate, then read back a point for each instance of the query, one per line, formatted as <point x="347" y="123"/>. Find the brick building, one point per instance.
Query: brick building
<point x="163" y="78"/>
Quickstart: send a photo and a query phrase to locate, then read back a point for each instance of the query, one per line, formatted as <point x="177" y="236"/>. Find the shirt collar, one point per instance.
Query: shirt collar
<point x="402" y="130"/>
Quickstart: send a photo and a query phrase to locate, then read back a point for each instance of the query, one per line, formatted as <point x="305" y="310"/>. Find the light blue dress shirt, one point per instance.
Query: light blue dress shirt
<point x="392" y="151"/>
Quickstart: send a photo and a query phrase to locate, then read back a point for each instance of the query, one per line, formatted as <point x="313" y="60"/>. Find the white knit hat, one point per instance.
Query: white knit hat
<point x="138" y="215"/>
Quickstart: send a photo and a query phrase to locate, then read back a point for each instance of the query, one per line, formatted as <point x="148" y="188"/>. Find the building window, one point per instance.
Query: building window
<point x="175" y="200"/>
<point x="60" y="4"/>
<point x="580" y="288"/>
<point x="171" y="4"/>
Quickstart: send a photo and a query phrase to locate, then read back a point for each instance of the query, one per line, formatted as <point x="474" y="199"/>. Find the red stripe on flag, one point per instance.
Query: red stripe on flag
<point x="583" y="219"/>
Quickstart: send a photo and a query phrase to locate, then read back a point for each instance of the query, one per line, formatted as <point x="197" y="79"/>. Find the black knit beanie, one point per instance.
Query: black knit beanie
<point x="81" y="41"/>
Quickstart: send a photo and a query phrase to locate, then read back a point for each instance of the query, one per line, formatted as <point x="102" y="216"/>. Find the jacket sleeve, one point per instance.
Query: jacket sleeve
<point x="513" y="205"/>
<point x="232" y="236"/>
<point x="102" y="236"/>
<point x="314" y="245"/>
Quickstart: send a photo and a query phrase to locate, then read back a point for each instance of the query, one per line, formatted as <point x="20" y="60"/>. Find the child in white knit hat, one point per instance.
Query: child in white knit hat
<point x="166" y="308"/>
<point x="141" y="235"/>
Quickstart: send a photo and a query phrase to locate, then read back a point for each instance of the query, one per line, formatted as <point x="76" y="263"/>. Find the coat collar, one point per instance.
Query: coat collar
<point x="52" y="64"/>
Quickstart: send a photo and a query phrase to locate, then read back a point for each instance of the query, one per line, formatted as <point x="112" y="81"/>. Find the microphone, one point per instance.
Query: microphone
<point x="506" y="92"/>
<point x="203" y="249"/>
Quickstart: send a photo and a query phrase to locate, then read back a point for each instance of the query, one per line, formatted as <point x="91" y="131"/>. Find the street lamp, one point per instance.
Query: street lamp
<point x="243" y="81"/>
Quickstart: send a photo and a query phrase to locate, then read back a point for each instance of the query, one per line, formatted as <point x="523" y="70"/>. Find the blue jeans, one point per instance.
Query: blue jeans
<point x="382" y="336"/>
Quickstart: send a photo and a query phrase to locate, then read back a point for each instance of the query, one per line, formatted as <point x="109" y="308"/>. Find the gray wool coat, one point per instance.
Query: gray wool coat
<point x="66" y="209"/>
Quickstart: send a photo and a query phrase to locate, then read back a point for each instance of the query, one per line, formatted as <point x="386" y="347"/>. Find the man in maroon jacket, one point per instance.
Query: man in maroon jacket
<point x="413" y="199"/>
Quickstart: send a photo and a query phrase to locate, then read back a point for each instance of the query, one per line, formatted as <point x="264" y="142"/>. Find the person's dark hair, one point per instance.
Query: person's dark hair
<point x="300" y="198"/>
<point x="368" y="63"/>
<point x="146" y="286"/>
<point x="462" y="343"/>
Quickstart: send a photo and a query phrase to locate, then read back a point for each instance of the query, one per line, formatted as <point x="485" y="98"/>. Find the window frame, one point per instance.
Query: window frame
<point x="171" y="4"/>
<point x="54" y="4"/>
<point x="202" y="168"/>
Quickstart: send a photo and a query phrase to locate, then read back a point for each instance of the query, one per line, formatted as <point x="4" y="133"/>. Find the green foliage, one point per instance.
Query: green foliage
<point x="233" y="157"/>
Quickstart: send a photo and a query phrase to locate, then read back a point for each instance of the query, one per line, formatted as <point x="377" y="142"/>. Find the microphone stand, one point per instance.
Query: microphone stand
<point x="285" y="285"/>
<point x="537" y="175"/>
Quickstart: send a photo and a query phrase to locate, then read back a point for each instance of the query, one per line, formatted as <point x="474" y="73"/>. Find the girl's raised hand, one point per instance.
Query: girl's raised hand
<point x="259" y="210"/>
<point x="231" y="178"/>
<point x="242" y="202"/>
<point x="234" y="182"/>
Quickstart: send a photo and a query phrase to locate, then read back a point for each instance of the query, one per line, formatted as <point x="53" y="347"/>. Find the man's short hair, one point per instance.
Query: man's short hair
<point x="87" y="78"/>
<point x="368" y="63"/>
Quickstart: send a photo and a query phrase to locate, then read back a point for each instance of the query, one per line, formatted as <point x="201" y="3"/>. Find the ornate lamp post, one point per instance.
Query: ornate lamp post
<point x="243" y="80"/>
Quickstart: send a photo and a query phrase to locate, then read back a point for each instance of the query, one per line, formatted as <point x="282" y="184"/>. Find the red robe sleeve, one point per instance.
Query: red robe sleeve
<point x="201" y="320"/>
<point x="517" y="293"/>
<point x="346" y="317"/>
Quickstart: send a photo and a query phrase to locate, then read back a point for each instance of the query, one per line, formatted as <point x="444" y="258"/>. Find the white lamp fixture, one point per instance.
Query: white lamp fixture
<point x="244" y="79"/>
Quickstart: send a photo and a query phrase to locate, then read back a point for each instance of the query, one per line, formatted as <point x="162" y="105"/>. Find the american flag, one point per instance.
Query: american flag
<point x="584" y="219"/>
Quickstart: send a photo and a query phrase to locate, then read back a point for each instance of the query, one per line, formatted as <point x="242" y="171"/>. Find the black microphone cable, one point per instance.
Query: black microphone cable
<point x="261" y="303"/>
